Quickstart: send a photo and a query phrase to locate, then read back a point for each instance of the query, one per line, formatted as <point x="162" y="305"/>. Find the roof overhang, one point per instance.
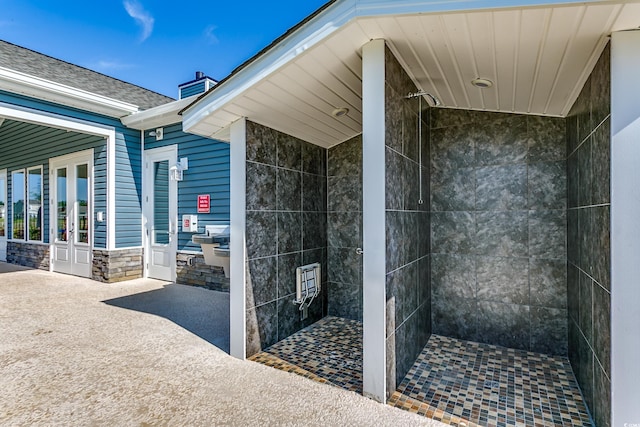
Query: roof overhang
<point x="162" y="115"/>
<point x="35" y="87"/>
<point x="537" y="53"/>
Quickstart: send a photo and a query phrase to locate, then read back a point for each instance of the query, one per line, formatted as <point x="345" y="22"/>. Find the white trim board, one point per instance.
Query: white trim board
<point x="625" y="228"/>
<point x="35" y="87"/>
<point x="30" y="115"/>
<point x="374" y="299"/>
<point x="237" y="245"/>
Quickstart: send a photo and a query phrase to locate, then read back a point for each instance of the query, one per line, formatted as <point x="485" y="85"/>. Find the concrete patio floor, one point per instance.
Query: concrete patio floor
<point x="78" y="352"/>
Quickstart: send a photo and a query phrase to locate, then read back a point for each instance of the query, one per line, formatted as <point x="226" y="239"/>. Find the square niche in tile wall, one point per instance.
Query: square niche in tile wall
<point x="498" y="224"/>
<point x="286" y="227"/>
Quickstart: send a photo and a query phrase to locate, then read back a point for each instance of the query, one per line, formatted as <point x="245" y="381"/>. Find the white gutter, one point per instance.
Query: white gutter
<point x="162" y="115"/>
<point x="35" y="87"/>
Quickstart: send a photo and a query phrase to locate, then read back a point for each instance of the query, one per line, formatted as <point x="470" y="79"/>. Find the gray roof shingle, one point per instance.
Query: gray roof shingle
<point x="27" y="61"/>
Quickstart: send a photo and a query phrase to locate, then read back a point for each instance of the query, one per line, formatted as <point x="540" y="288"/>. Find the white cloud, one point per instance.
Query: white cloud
<point x="112" y="65"/>
<point x="209" y="34"/>
<point x="141" y="16"/>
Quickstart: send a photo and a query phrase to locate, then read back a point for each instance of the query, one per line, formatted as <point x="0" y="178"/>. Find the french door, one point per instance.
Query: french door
<point x="3" y="215"/>
<point x="71" y="213"/>
<point x="160" y="212"/>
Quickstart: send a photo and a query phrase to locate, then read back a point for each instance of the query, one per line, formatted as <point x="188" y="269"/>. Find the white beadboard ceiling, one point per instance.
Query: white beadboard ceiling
<point x="538" y="58"/>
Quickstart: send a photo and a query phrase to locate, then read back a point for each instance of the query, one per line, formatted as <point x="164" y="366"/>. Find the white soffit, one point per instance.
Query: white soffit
<point x="538" y="59"/>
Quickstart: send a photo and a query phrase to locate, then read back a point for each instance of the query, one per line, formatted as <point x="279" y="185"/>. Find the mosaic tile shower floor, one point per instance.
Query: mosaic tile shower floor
<point x="328" y="351"/>
<point x="460" y="383"/>
<point x="491" y="386"/>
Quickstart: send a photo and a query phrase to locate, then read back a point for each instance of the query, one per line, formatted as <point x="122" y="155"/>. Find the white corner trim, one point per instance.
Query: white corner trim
<point x="237" y="300"/>
<point x="374" y="299"/>
<point x="625" y="228"/>
<point x="143" y="216"/>
<point x="36" y="87"/>
<point x="111" y="193"/>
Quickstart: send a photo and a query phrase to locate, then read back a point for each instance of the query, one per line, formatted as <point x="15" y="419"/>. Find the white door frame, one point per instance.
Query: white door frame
<point x="71" y="257"/>
<point x="3" y="239"/>
<point x="169" y="153"/>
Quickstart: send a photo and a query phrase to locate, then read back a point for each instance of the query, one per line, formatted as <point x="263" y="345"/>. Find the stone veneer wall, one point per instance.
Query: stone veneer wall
<point x="286" y="227"/>
<point x="117" y="265"/>
<point x="407" y="225"/>
<point x="191" y="270"/>
<point x="498" y="202"/>
<point x="589" y="259"/>
<point x="28" y="255"/>
<point x="344" y="229"/>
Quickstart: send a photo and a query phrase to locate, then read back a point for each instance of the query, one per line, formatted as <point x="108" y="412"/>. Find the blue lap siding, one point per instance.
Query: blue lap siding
<point x="208" y="173"/>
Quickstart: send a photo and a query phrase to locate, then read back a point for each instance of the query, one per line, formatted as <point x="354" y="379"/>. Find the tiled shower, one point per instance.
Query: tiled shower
<point x="508" y="248"/>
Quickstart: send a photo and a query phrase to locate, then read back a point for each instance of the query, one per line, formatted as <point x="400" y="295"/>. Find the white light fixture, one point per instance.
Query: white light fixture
<point x="158" y="133"/>
<point x="482" y="83"/>
<point x="176" y="173"/>
<point x="340" y="112"/>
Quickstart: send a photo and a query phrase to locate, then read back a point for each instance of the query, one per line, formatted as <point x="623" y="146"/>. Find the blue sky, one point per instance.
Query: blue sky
<point x="154" y="44"/>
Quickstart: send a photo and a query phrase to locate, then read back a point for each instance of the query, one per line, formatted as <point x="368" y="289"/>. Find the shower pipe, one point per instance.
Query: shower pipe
<point x="433" y="102"/>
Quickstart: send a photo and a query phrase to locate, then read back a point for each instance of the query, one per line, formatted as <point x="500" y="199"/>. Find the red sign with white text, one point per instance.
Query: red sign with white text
<point x="204" y="203"/>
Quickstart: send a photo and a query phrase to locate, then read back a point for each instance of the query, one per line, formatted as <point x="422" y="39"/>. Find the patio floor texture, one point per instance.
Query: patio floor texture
<point x="76" y="352"/>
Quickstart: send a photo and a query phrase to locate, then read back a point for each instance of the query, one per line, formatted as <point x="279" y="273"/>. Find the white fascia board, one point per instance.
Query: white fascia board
<point x="373" y="8"/>
<point x="162" y="115"/>
<point x="307" y="36"/>
<point x="35" y="87"/>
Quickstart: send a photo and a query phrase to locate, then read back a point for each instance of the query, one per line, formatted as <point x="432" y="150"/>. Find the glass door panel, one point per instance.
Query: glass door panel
<point x="82" y="201"/>
<point x="3" y="207"/>
<point x="34" y="206"/>
<point x="61" y="208"/>
<point x="3" y="216"/>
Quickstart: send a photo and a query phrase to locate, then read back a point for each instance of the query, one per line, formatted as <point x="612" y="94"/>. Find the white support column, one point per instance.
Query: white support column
<point x="373" y="219"/>
<point x="625" y="228"/>
<point x="237" y="315"/>
<point x="111" y="192"/>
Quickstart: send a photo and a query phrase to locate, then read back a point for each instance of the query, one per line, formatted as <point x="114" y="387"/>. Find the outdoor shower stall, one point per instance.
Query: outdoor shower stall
<point x="471" y="225"/>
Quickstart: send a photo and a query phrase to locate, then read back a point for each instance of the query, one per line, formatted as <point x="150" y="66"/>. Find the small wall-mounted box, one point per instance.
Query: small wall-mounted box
<point x="189" y="223"/>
